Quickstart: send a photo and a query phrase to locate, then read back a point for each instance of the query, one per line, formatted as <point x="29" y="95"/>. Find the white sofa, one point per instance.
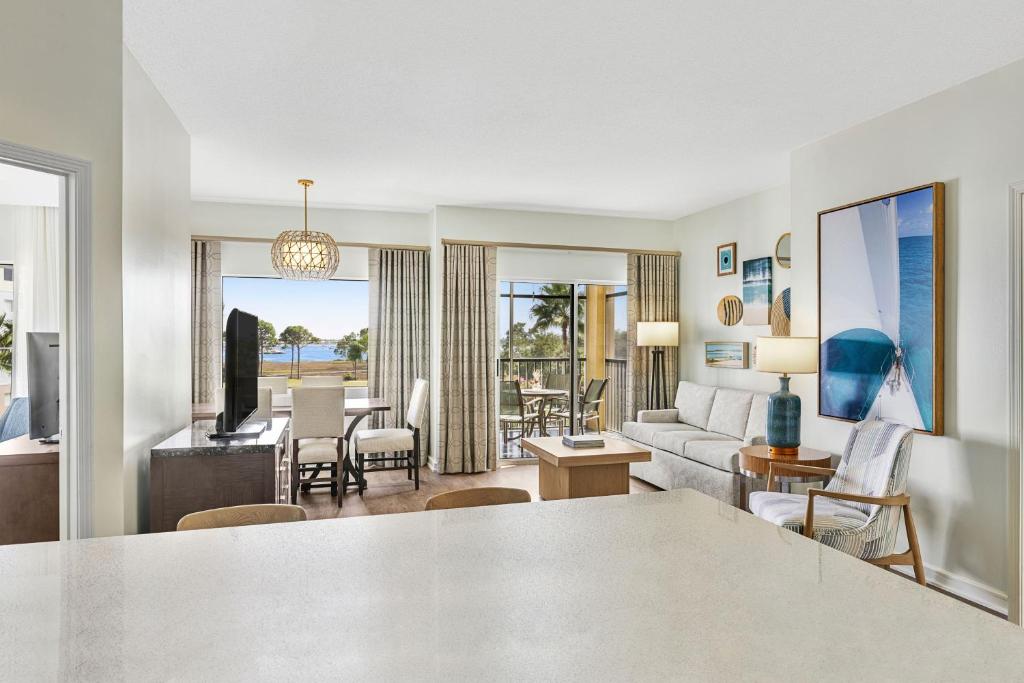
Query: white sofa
<point x="696" y="443"/>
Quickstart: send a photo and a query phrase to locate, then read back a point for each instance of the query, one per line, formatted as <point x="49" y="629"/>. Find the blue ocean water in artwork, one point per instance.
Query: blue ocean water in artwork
<point x="757" y="281"/>
<point x="854" y="364"/>
<point x="916" y="319"/>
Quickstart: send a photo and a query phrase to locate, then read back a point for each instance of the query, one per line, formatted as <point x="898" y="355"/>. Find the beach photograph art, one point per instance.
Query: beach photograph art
<point x="757" y="290"/>
<point x="726" y="355"/>
<point x="880" y="265"/>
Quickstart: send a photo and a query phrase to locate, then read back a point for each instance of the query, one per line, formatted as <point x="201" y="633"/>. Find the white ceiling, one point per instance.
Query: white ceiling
<point x="656" y="108"/>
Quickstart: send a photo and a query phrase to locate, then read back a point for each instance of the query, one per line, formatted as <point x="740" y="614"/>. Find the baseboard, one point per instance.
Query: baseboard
<point x="964" y="588"/>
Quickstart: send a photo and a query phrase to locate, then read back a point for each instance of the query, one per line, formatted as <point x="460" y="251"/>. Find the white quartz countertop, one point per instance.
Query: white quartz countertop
<point x="668" y="585"/>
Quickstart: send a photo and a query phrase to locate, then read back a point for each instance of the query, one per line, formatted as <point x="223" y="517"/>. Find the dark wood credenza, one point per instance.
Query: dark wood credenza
<point x="29" y="491"/>
<point x="189" y="472"/>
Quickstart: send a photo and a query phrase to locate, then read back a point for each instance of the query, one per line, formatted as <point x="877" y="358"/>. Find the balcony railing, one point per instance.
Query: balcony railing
<point x="529" y="369"/>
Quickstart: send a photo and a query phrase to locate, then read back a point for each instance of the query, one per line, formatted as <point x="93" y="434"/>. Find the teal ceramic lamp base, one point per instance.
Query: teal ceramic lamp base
<point x="783" y="421"/>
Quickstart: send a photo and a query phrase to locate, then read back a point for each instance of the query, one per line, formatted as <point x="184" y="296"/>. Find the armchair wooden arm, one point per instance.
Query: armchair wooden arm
<point x="910" y="557"/>
<point x="774" y="467"/>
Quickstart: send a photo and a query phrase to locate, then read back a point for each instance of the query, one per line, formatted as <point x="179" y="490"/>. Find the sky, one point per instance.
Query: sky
<point x="329" y="309"/>
<point x="914" y="213"/>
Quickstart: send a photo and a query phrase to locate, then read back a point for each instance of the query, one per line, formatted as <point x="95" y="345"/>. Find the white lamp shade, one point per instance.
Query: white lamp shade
<point x="788" y="355"/>
<point x="657" y="334"/>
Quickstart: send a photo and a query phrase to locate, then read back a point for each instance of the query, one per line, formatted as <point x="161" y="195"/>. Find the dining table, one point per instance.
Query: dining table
<point x="545" y="395"/>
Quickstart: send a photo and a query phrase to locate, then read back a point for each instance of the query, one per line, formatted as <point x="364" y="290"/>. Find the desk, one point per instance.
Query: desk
<point x="29" y="491"/>
<point x="649" y="586"/>
<point x="189" y="472"/>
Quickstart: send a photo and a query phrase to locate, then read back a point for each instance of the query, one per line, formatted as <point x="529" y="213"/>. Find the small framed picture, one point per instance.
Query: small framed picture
<point x="720" y="354"/>
<point x="727" y="259"/>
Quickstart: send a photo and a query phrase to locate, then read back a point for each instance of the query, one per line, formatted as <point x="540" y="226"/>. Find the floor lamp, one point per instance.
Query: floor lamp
<point x="657" y="335"/>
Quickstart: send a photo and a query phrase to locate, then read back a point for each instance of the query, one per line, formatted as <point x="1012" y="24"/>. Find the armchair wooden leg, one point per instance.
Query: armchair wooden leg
<point x="915" y="549"/>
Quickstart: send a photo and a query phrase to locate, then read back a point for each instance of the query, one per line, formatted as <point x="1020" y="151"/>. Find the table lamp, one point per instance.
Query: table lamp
<point x="788" y="356"/>
<point x="657" y="335"/>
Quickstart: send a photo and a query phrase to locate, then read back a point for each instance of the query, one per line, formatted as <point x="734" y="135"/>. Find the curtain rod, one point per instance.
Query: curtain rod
<point x="267" y="240"/>
<point x="561" y="247"/>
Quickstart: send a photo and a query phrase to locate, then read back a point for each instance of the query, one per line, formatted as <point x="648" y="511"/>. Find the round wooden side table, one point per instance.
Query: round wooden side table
<point x="754" y="461"/>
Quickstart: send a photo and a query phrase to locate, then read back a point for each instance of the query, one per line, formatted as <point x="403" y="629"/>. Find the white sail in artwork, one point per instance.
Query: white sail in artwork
<point x="853" y="305"/>
<point x="881" y="240"/>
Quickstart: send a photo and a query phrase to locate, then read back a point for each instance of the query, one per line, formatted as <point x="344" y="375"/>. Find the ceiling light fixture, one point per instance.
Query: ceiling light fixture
<point x="305" y="254"/>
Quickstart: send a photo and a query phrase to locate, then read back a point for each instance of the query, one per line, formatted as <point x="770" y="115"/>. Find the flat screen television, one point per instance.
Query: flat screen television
<point x="241" y="370"/>
<point x="43" y="385"/>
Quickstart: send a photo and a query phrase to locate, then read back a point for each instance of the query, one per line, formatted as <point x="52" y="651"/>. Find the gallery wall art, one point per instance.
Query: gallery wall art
<point x="757" y="290"/>
<point x="730" y="310"/>
<point x="880" y="309"/>
<point x="722" y="354"/>
<point x="780" y="314"/>
<point x="727" y="259"/>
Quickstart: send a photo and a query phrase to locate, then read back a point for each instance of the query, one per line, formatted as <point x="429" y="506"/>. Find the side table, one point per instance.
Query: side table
<point x="754" y="462"/>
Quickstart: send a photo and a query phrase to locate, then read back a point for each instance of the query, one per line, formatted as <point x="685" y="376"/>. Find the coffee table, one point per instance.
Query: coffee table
<point x="583" y="472"/>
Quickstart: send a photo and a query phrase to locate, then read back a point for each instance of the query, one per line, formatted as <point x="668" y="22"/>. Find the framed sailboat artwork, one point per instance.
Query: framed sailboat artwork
<point x="880" y="309"/>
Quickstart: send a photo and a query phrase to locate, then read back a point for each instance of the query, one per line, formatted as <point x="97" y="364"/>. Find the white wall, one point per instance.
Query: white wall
<point x="547" y="265"/>
<point x="155" y="256"/>
<point x="60" y="75"/>
<point x="529" y="227"/>
<point x="972" y="138"/>
<point x="754" y="223"/>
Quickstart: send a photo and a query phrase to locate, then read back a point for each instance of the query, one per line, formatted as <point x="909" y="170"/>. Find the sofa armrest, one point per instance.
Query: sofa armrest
<point x="756" y="441"/>
<point x="666" y="415"/>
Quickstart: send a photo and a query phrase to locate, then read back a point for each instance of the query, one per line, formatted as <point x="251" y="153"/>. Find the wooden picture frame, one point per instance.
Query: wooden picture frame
<point x="727" y="354"/>
<point x="884" y="240"/>
<point x="726" y="259"/>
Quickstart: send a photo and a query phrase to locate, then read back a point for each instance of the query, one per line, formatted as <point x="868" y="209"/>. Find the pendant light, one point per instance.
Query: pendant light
<point x="305" y="254"/>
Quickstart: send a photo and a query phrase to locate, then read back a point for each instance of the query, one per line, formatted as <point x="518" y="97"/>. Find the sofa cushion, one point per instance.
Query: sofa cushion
<point x="722" y="455"/>
<point x="694" y="401"/>
<point x="729" y="412"/>
<point x="757" y="422"/>
<point x="644" y="432"/>
<point x="676" y="442"/>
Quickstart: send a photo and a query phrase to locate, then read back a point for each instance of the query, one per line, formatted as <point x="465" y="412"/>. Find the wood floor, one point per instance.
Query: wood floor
<point x="391" y="492"/>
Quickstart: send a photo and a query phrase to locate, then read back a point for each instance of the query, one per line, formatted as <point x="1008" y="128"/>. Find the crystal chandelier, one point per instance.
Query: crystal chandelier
<point x="305" y="254"/>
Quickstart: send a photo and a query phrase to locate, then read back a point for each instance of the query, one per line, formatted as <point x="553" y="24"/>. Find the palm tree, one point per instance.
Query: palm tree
<point x="6" y="344"/>
<point x="553" y="312"/>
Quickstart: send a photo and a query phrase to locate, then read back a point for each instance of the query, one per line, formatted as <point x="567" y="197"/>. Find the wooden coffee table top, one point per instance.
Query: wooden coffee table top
<point x="615" y="451"/>
<point x="755" y="459"/>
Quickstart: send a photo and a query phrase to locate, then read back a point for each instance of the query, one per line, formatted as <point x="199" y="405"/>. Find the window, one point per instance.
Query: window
<point x="307" y="327"/>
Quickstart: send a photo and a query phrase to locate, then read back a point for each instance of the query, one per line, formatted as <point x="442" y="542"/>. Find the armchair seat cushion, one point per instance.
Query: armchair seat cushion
<point x="644" y="432"/>
<point x="313" y="451"/>
<point x="677" y="441"/>
<point x="831" y="517"/>
<point x="383" y="440"/>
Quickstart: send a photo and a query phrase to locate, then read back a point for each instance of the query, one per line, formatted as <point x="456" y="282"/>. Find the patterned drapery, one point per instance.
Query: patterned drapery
<point x="399" y="335"/>
<point x="652" y="294"/>
<point x="468" y="433"/>
<point x="207" y="321"/>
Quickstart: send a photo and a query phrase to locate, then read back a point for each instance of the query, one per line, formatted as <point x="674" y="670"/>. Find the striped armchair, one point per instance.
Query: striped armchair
<point x="859" y="511"/>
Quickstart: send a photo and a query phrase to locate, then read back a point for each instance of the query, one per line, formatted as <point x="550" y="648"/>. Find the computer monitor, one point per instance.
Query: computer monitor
<point x="43" y="385"/>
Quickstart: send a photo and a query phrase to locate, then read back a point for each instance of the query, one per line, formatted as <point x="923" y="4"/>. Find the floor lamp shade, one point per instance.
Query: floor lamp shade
<point x="786" y="356"/>
<point x="657" y="335"/>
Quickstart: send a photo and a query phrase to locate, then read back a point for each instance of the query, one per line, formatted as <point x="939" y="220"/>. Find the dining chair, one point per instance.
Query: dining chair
<point x="559" y="404"/>
<point x="241" y="515"/>
<point x="318" y="430"/>
<point x="323" y="381"/>
<point x="588" y="407"/>
<point x="264" y="404"/>
<point x="277" y="385"/>
<point x="515" y="411"/>
<point x="403" y="443"/>
<point x="858" y="511"/>
<point x="477" y="497"/>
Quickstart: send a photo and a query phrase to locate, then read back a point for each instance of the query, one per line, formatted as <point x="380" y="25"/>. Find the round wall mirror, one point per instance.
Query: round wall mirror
<point x="782" y="251"/>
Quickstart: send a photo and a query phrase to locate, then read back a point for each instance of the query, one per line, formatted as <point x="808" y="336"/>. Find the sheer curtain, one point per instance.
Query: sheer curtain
<point x="468" y="432"/>
<point x="399" y="334"/>
<point x="207" y="322"/>
<point x="652" y="294"/>
<point x="37" y="279"/>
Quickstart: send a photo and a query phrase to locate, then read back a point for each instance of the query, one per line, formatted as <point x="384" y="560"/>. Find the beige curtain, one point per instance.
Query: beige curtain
<point x="468" y="433"/>
<point x="652" y="294"/>
<point x="207" y="322"/>
<point x="399" y="336"/>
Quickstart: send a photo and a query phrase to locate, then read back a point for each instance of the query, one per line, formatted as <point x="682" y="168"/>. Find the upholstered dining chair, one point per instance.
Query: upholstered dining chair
<point x="402" y="443"/>
<point x="515" y="411"/>
<point x="323" y="381"/>
<point x="277" y="385"/>
<point x="477" y="497"/>
<point x="264" y="404"/>
<point x="589" y="405"/>
<point x="318" y="430"/>
<point x="241" y="515"/>
<point x="858" y="512"/>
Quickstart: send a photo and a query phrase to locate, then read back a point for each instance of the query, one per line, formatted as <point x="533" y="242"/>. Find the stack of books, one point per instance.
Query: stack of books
<point x="583" y="441"/>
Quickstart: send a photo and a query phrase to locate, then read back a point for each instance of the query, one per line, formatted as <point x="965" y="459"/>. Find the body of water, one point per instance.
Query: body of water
<point x="311" y="352"/>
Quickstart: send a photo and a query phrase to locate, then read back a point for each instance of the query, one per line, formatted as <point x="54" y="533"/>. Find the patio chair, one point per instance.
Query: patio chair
<point x="558" y="406"/>
<point x="588" y="406"/>
<point x="515" y="411"/>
